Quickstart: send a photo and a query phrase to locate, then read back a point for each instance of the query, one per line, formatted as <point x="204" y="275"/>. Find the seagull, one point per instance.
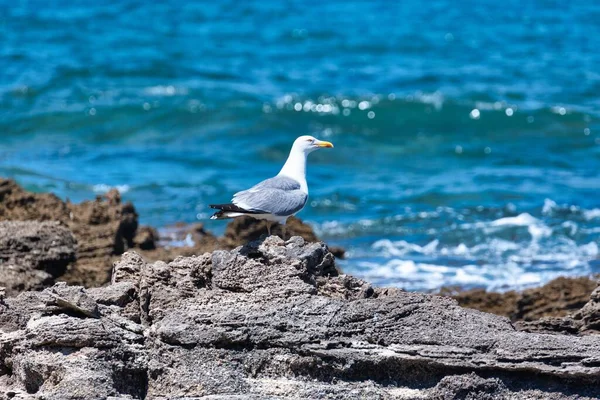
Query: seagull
<point x="278" y="198"/>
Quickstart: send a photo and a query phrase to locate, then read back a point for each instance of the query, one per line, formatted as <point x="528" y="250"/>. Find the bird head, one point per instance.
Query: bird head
<point x="308" y="144"/>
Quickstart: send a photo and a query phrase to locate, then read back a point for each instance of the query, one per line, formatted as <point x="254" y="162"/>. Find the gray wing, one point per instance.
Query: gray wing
<point x="278" y="196"/>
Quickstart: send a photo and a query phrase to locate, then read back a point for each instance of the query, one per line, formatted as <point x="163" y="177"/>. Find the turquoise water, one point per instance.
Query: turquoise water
<point x="467" y="135"/>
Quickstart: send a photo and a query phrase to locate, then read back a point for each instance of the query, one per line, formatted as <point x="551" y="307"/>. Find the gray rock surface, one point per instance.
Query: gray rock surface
<point x="33" y="253"/>
<point x="274" y="320"/>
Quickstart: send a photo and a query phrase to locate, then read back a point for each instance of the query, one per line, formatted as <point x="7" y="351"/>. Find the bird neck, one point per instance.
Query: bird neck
<point x="295" y="168"/>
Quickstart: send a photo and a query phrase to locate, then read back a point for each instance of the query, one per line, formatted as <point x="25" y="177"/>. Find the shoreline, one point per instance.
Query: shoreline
<point x="105" y="228"/>
<point x="266" y="319"/>
<point x="206" y="327"/>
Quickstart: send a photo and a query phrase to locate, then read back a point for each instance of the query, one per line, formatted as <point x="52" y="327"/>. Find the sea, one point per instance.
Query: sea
<point x="467" y="134"/>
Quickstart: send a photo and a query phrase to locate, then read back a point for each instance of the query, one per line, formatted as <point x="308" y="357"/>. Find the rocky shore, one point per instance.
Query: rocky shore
<point x="93" y="306"/>
<point x="276" y="319"/>
<point x="92" y="236"/>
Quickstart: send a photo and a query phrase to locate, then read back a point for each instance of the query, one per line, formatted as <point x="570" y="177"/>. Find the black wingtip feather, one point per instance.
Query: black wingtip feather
<point x="233" y="208"/>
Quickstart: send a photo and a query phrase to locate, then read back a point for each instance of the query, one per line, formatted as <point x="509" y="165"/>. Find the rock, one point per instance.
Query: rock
<point x="72" y="299"/>
<point x="589" y="315"/>
<point x="147" y="238"/>
<point x="504" y="304"/>
<point x="557" y="298"/>
<point x="104" y="228"/>
<point x="33" y="254"/>
<point x="195" y="239"/>
<point x="243" y="230"/>
<point x="275" y="319"/>
<point x="16" y="204"/>
<point x="246" y="229"/>
<point x="582" y="322"/>
<point x="469" y="386"/>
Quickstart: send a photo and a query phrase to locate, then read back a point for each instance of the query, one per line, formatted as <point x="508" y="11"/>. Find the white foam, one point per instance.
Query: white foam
<point x="571" y="226"/>
<point x="590" y="249"/>
<point x="465" y="277"/>
<point x="549" y="206"/>
<point x="402" y="247"/>
<point x="103" y="188"/>
<point x="511" y="252"/>
<point x="591" y="214"/>
<point x="536" y="228"/>
<point x="428" y="275"/>
<point x="501" y="264"/>
<point x="188" y="241"/>
<point x="538" y="231"/>
<point x="523" y="219"/>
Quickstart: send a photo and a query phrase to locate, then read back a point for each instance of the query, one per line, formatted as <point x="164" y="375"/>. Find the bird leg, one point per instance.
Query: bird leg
<point x="283" y="231"/>
<point x="269" y="228"/>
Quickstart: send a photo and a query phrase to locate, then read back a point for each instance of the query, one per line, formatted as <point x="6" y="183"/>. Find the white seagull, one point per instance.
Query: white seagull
<point x="275" y="199"/>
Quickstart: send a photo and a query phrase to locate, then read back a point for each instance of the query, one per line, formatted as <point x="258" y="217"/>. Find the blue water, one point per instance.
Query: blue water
<point x="467" y="135"/>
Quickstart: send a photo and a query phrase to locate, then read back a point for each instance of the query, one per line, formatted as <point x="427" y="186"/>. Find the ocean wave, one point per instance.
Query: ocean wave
<point x="422" y="105"/>
<point x="511" y="251"/>
<point x="414" y="275"/>
<point x="551" y="208"/>
<point x="103" y="188"/>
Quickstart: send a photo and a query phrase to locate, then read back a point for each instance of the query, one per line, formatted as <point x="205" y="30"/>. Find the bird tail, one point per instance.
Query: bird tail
<point x="228" y="211"/>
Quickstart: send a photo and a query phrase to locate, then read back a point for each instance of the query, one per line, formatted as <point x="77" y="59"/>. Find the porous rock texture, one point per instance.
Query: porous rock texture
<point x="33" y="254"/>
<point x="273" y="320"/>
<point x="103" y="228"/>
<point x="247" y="229"/>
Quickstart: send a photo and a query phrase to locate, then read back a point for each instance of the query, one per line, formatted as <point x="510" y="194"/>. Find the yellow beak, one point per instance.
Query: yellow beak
<point x="322" y="143"/>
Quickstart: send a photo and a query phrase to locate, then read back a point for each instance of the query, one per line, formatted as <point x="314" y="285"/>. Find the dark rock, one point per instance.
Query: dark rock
<point x="243" y="230"/>
<point x="33" y="254"/>
<point x="570" y="309"/>
<point x="589" y="315"/>
<point x="104" y="228"/>
<point x="275" y="319"/>
<point x="16" y="204"/>
<point x="557" y="298"/>
<point x="550" y="325"/>
<point x="147" y="238"/>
